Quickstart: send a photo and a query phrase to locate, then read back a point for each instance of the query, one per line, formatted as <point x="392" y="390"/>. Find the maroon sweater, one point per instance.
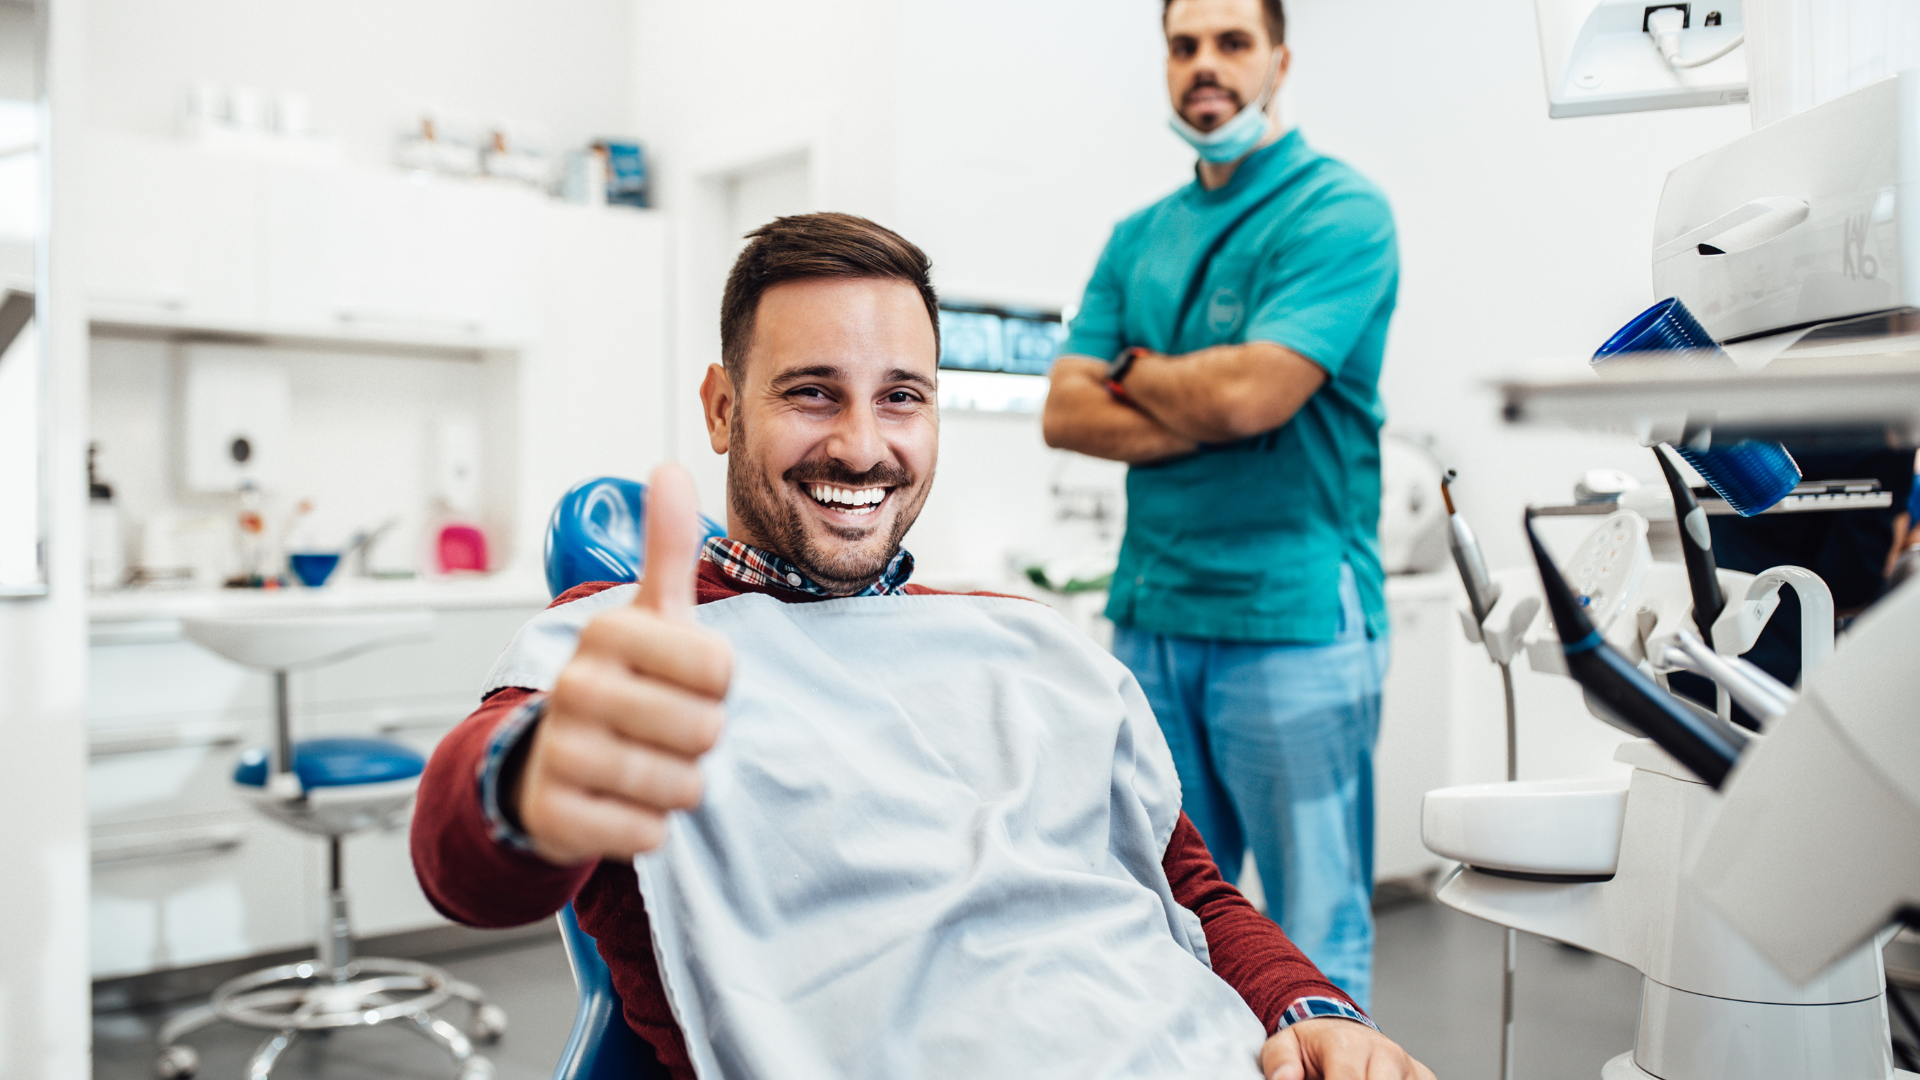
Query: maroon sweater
<point x="473" y="879"/>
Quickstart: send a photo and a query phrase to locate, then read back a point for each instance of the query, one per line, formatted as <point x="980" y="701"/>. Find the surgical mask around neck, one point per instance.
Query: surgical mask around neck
<point x="1237" y="137"/>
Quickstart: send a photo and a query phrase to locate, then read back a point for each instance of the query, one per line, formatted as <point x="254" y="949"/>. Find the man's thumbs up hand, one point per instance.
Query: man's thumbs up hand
<point x="673" y="544"/>
<point x="633" y="710"/>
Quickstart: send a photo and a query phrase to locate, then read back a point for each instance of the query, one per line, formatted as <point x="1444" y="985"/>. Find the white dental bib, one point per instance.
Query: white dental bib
<point x="931" y="847"/>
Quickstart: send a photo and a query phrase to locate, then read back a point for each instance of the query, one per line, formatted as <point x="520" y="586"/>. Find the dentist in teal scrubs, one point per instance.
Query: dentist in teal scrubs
<point x="1228" y="349"/>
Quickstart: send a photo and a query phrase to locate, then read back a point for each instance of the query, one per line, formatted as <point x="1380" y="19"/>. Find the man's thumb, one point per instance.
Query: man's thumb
<point x="672" y="543"/>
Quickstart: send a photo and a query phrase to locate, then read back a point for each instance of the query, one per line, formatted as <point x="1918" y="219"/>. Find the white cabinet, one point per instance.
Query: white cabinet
<point x="370" y="252"/>
<point x="184" y="871"/>
<point x="171" y="232"/>
<point x="197" y="890"/>
<point x="176" y="235"/>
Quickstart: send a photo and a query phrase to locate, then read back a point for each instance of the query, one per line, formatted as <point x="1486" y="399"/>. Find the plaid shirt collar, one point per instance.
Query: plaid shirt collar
<point x="752" y="566"/>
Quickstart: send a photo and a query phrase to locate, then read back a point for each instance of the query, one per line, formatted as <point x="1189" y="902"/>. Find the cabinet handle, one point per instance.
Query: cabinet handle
<point x="206" y="841"/>
<point x="142" y="741"/>
<point x="166" y="301"/>
<point x="401" y="318"/>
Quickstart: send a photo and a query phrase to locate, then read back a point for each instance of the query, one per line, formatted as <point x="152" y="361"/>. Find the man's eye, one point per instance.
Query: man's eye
<point x="807" y="391"/>
<point x="902" y="397"/>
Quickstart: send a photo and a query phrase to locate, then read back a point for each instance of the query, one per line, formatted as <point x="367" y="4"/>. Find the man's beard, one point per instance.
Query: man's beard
<point x="778" y="524"/>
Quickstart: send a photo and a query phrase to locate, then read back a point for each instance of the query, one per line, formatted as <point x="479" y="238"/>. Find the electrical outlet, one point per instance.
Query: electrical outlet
<point x="1685" y="10"/>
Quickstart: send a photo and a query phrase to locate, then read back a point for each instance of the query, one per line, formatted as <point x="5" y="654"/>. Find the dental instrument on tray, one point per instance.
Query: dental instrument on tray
<point x="1696" y="547"/>
<point x="1706" y="748"/>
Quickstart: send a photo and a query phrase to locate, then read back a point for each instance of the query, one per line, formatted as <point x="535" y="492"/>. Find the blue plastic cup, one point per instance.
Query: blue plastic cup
<point x="313" y="568"/>
<point x="1751" y="476"/>
<point x="1665" y="327"/>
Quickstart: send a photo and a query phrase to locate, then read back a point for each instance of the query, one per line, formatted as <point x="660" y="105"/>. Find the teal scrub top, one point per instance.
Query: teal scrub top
<point x="1243" y="541"/>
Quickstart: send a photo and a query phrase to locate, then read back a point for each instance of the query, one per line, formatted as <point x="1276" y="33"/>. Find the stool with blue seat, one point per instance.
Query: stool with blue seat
<point x="595" y="534"/>
<point x="330" y="787"/>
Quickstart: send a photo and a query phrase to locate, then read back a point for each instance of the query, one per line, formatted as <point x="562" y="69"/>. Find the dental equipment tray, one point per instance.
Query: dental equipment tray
<point x="1867" y="398"/>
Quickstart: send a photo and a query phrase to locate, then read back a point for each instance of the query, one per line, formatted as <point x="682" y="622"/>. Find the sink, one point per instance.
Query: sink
<point x="285" y="642"/>
<point x="1551" y="827"/>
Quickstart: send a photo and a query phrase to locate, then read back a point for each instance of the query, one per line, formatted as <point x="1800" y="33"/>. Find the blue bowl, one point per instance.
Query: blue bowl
<point x="314" y="568"/>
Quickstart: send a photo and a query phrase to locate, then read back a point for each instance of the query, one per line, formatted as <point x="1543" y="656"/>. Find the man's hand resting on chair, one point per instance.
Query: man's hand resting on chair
<point x="633" y="710"/>
<point x="1334" y="1049"/>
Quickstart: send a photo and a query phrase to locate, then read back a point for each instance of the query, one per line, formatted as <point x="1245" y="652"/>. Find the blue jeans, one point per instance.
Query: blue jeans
<point x="1274" y="747"/>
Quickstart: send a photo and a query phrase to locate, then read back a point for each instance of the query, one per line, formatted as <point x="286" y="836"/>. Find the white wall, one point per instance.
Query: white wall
<point x="44" y="1032"/>
<point x="360" y="445"/>
<point x="369" y="67"/>
<point x="1026" y="131"/>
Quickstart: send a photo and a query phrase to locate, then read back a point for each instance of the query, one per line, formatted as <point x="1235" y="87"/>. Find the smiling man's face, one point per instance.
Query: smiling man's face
<point x="833" y="430"/>
<point x="1219" y="56"/>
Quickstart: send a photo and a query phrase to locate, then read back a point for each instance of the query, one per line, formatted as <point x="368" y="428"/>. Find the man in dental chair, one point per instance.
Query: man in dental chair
<point x="880" y="831"/>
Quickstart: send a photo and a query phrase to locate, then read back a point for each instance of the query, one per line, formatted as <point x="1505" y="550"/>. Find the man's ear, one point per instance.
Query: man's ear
<point x="716" y="403"/>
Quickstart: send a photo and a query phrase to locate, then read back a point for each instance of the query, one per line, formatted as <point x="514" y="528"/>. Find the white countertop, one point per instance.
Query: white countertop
<point x="347" y="594"/>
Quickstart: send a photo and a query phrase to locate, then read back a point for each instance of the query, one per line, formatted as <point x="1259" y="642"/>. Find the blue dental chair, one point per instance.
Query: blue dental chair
<point x="595" y="535"/>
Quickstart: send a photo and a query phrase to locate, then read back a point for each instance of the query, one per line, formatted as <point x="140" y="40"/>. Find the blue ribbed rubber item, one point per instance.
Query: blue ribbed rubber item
<point x="1665" y="327"/>
<point x="1751" y="476"/>
<point x="596" y="533"/>
<point x="336" y="763"/>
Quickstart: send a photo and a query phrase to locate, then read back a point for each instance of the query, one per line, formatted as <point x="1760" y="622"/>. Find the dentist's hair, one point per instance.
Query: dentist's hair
<point x="815" y="246"/>
<point x="1271" y="12"/>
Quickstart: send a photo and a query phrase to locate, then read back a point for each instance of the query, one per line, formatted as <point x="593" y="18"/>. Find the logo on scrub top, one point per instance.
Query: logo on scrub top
<point x="1224" y="310"/>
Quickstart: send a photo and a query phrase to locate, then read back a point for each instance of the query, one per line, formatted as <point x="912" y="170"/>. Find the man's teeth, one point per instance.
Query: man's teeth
<point x="856" y="500"/>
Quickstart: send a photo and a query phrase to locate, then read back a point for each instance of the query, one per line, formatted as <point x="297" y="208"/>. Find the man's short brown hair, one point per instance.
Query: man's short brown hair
<point x="1274" y="15"/>
<point x="815" y="246"/>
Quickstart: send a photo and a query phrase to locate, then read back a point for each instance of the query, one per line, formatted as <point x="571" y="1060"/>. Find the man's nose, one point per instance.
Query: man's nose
<point x="856" y="440"/>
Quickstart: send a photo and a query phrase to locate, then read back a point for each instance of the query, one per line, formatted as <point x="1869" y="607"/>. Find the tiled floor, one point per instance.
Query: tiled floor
<point x="1439" y="994"/>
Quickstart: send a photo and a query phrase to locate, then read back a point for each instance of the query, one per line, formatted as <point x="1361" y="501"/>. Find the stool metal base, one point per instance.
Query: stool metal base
<point x="309" y="997"/>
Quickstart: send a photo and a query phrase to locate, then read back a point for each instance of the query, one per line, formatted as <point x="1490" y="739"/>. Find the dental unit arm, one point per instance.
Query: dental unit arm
<point x="1603" y="864"/>
<point x="1482" y="591"/>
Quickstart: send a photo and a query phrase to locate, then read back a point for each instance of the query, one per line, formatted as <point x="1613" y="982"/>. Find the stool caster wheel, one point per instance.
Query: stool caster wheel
<point x="476" y="1068"/>
<point x="177" y="1062"/>
<point x="488" y="1024"/>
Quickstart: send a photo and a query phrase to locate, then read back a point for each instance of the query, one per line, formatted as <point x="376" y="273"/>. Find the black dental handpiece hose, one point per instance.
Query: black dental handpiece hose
<point x="1696" y="547"/>
<point x="1707" y="746"/>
